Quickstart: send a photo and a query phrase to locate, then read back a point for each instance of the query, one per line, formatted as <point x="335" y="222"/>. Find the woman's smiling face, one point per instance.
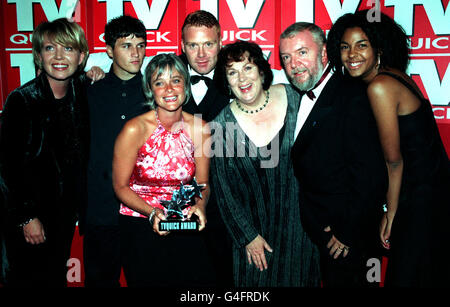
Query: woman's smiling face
<point x="245" y="80"/>
<point x="357" y="54"/>
<point x="168" y="89"/>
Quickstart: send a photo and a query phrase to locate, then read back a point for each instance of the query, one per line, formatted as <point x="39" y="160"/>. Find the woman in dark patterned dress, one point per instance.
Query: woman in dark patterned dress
<point x="256" y="189"/>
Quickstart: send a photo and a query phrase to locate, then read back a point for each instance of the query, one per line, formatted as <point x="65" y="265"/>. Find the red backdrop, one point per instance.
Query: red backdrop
<point x="426" y="21"/>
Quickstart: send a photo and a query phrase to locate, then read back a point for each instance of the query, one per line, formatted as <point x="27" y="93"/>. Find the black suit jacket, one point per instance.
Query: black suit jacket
<point x="211" y="105"/>
<point x="43" y="152"/>
<point x="338" y="161"/>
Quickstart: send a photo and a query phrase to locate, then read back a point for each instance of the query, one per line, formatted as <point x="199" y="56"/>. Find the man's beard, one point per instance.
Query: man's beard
<point x="313" y="77"/>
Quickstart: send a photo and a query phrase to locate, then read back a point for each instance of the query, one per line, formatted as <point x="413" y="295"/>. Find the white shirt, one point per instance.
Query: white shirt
<point x="307" y="104"/>
<point x="199" y="89"/>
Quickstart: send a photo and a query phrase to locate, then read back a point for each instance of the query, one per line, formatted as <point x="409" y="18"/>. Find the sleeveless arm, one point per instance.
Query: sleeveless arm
<point x="384" y="104"/>
<point x="126" y="148"/>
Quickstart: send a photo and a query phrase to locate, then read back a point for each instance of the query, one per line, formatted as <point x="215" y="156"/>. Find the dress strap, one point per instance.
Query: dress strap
<point x="158" y="122"/>
<point x="402" y="81"/>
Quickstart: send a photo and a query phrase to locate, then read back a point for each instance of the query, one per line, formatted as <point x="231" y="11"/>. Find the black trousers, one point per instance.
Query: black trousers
<point x="175" y="260"/>
<point x="101" y="253"/>
<point x="41" y="265"/>
<point x="219" y="244"/>
<point x="351" y="271"/>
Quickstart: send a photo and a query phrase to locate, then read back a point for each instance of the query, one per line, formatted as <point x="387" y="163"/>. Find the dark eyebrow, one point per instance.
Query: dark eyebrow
<point x="360" y="41"/>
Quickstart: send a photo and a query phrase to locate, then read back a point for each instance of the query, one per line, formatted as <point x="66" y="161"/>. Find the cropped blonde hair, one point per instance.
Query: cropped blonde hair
<point x="63" y="32"/>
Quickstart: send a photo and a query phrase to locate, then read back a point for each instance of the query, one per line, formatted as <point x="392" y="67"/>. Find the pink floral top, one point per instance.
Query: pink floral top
<point x="165" y="160"/>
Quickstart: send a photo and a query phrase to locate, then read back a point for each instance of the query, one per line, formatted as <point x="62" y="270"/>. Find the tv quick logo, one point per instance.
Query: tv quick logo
<point x="151" y="15"/>
<point x="442" y="113"/>
<point x="25" y="16"/>
<point x="434" y="9"/>
<point x="437" y="89"/>
<point x="245" y="15"/>
<point x="403" y="12"/>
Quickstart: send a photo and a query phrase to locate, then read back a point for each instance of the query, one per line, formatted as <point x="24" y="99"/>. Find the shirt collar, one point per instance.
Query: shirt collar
<point x="192" y="72"/>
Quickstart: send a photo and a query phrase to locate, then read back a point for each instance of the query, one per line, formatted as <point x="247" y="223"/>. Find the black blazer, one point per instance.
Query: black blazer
<point x="211" y="105"/>
<point x="339" y="163"/>
<point x="44" y="150"/>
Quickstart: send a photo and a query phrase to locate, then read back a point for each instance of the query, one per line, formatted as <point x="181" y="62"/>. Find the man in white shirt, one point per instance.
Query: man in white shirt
<point x="337" y="159"/>
<point x="305" y="66"/>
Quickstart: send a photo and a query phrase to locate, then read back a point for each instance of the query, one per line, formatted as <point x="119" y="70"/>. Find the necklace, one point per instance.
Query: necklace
<point x="253" y="111"/>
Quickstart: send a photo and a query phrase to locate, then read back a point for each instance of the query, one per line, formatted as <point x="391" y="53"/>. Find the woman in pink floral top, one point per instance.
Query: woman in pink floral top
<point x="154" y="153"/>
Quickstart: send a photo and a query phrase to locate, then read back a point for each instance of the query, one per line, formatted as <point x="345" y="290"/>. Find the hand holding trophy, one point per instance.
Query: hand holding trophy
<point x="175" y="213"/>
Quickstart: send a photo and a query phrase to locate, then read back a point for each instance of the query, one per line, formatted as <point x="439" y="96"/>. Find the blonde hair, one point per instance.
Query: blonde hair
<point x="63" y="32"/>
<point x="158" y="65"/>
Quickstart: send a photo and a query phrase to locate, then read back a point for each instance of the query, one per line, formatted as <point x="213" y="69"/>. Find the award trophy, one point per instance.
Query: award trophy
<point x="173" y="209"/>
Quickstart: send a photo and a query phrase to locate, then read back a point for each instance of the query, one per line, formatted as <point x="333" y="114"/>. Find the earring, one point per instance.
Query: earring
<point x="343" y="70"/>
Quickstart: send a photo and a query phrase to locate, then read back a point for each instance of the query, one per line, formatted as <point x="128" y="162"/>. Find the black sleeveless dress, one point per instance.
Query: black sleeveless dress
<point x="420" y="235"/>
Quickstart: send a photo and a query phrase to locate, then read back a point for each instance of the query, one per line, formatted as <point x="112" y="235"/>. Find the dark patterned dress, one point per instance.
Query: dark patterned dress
<point x="256" y="197"/>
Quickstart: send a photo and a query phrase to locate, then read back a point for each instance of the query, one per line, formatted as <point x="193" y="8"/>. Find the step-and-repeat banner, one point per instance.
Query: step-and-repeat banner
<point x="426" y="21"/>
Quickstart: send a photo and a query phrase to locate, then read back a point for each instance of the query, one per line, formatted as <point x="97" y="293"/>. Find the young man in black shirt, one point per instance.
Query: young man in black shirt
<point x="112" y="102"/>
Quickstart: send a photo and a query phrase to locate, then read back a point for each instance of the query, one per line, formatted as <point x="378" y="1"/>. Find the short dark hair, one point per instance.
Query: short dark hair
<point x="201" y="18"/>
<point x="235" y="52"/>
<point x="387" y="38"/>
<point x="124" y="26"/>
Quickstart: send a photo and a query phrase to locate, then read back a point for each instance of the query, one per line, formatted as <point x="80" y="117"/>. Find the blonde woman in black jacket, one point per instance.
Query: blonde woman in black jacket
<point x="43" y="154"/>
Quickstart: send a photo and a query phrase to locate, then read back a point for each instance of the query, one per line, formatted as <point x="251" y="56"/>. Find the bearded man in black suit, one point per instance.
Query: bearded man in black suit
<point x="337" y="159"/>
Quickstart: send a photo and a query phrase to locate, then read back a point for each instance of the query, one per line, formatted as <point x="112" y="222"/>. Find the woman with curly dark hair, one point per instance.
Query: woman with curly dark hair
<point x="412" y="228"/>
